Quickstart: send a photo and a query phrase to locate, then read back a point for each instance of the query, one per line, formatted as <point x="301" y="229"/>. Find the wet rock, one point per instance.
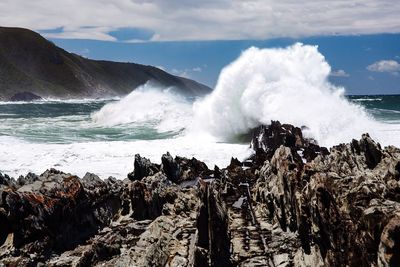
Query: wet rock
<point x="293" y="203"/>
<point x="142" y="168"/>
<point x="191" y="169"/>
<point x="5" y="180"/>
<point x="372" y="150"/>
<point x="267" y="139"/>
<point x="25" y="96"/>
<point x="56" y="213"/>
<point x="170" y="167"/>
<point x="28" y="179"/>
<point x="271" y="137"/>
<point x="180" y="169"/>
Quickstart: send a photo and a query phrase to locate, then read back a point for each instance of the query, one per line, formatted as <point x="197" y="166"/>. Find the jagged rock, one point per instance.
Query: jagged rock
<point x="266" y="139"/>
<point x="331" y="203"/>
<point x="218" y="230"/>
<point x="142" y="168"/>
<point x="372" y="150"/>
<point x="28" y="179"/>
<point x="56" y="213"/>
<point x="181" y="169"/>
<point x="269" y="138"/>
<point x="293" y="203"/>
<point x="5" y="180"/>
<point x="170" y="167"/>
<point x="191" y="169"/>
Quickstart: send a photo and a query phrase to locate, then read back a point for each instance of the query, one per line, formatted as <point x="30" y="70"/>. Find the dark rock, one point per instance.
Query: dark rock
<point x="271" y="137"/>
<point x="55" y="208"/>
<point x="28" y="179"/>
<point x="25" y="96"/>
<point x="91" y="181"/>
<point x="191" y="169"/>
<point x="372" y="150"/>
<point x="6" y="180"/>
<point x="218" y="230"/>
<point x="311" y="151"/>
<point x="293" y="203"/>
<point x="4" y="226"/>
<point x="143" y="168"/>
<point x="267" y="139"/>
<point x="171" y="168"/>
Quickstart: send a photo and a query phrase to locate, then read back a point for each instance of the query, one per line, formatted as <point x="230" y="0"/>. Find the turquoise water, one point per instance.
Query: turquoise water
<point x="69" y="122"/>
<point x="102" y="136"/>
<point x="384" y="108"/>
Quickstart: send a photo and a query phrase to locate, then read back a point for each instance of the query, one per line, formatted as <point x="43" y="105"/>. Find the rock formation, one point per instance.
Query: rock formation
<point x="292" y="203"/>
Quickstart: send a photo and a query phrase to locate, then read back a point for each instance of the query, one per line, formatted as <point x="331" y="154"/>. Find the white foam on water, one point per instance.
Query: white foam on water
<point x="286" y="84"/>
<point x="108" y="158"/>
<point x="165" y="110"/>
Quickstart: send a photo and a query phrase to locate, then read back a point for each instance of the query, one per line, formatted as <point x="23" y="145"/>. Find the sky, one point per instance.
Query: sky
<point x="360" y="39"/>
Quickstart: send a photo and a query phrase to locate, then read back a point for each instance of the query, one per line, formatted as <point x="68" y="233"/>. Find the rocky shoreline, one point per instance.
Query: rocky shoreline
<point x="293" y="203"/>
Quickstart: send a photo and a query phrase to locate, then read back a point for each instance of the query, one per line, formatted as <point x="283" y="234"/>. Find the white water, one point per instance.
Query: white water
<point x="290" y="85"/>
<point x="160" y="108"/>
<point x="108" y="158"/>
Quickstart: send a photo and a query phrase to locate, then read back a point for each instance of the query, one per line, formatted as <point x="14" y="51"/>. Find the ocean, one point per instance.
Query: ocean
<point x="102" y="136"/>
<point x="65" y="135"/>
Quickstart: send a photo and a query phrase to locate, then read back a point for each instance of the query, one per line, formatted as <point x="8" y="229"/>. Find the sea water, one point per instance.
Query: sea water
<point x="102" y="136"/>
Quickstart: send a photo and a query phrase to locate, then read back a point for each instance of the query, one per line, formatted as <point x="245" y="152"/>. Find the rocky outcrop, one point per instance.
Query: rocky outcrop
<point x="142" y="168"/>
<point x="292" y="203"/>
<point x="269" y="138"/>
<point x="25" y="96"/>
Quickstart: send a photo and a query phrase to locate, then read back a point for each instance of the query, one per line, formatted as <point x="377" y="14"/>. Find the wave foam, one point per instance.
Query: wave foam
<point x="290" y="85"/>
<point x="108" y="158"/>
<point x="147" y="105"/>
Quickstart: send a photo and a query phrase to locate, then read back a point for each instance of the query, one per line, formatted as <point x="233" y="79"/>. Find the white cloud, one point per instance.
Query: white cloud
<point x="181" y="73"/>
<point x="339" y="73"/>
<point x="197" y="69"/>
<point x="390" y="66"/>
<point x="204" y="20"/>
<point x="187" y="73"/>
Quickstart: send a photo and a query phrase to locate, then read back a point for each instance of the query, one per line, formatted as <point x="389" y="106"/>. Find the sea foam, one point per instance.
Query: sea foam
<point x="148" y="105"/>
<point x="286" y="84"/>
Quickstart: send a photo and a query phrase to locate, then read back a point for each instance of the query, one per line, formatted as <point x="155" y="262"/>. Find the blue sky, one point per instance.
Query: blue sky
<point x="359" y="38"/>
<point x="349" y="57"/>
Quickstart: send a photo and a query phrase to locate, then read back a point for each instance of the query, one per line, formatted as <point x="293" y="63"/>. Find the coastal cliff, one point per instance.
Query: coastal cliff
<point x="293" y="203"/>
<point x="32" y="67"/>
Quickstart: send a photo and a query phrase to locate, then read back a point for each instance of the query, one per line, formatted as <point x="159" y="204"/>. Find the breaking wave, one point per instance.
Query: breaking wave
<point x="148" y="106"/>
<point x="290" y="85"/>
<point x="286" y="84"/>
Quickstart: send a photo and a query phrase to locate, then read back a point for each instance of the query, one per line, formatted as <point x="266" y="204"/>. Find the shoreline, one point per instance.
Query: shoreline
<point x="292" y="202"/>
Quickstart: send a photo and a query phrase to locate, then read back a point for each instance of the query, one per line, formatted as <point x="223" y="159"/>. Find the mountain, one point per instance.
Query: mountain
<point x="31" y="65"/>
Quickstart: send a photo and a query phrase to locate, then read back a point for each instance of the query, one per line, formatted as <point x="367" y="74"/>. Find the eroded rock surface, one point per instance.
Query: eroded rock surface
<point x="292" y="203"/>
